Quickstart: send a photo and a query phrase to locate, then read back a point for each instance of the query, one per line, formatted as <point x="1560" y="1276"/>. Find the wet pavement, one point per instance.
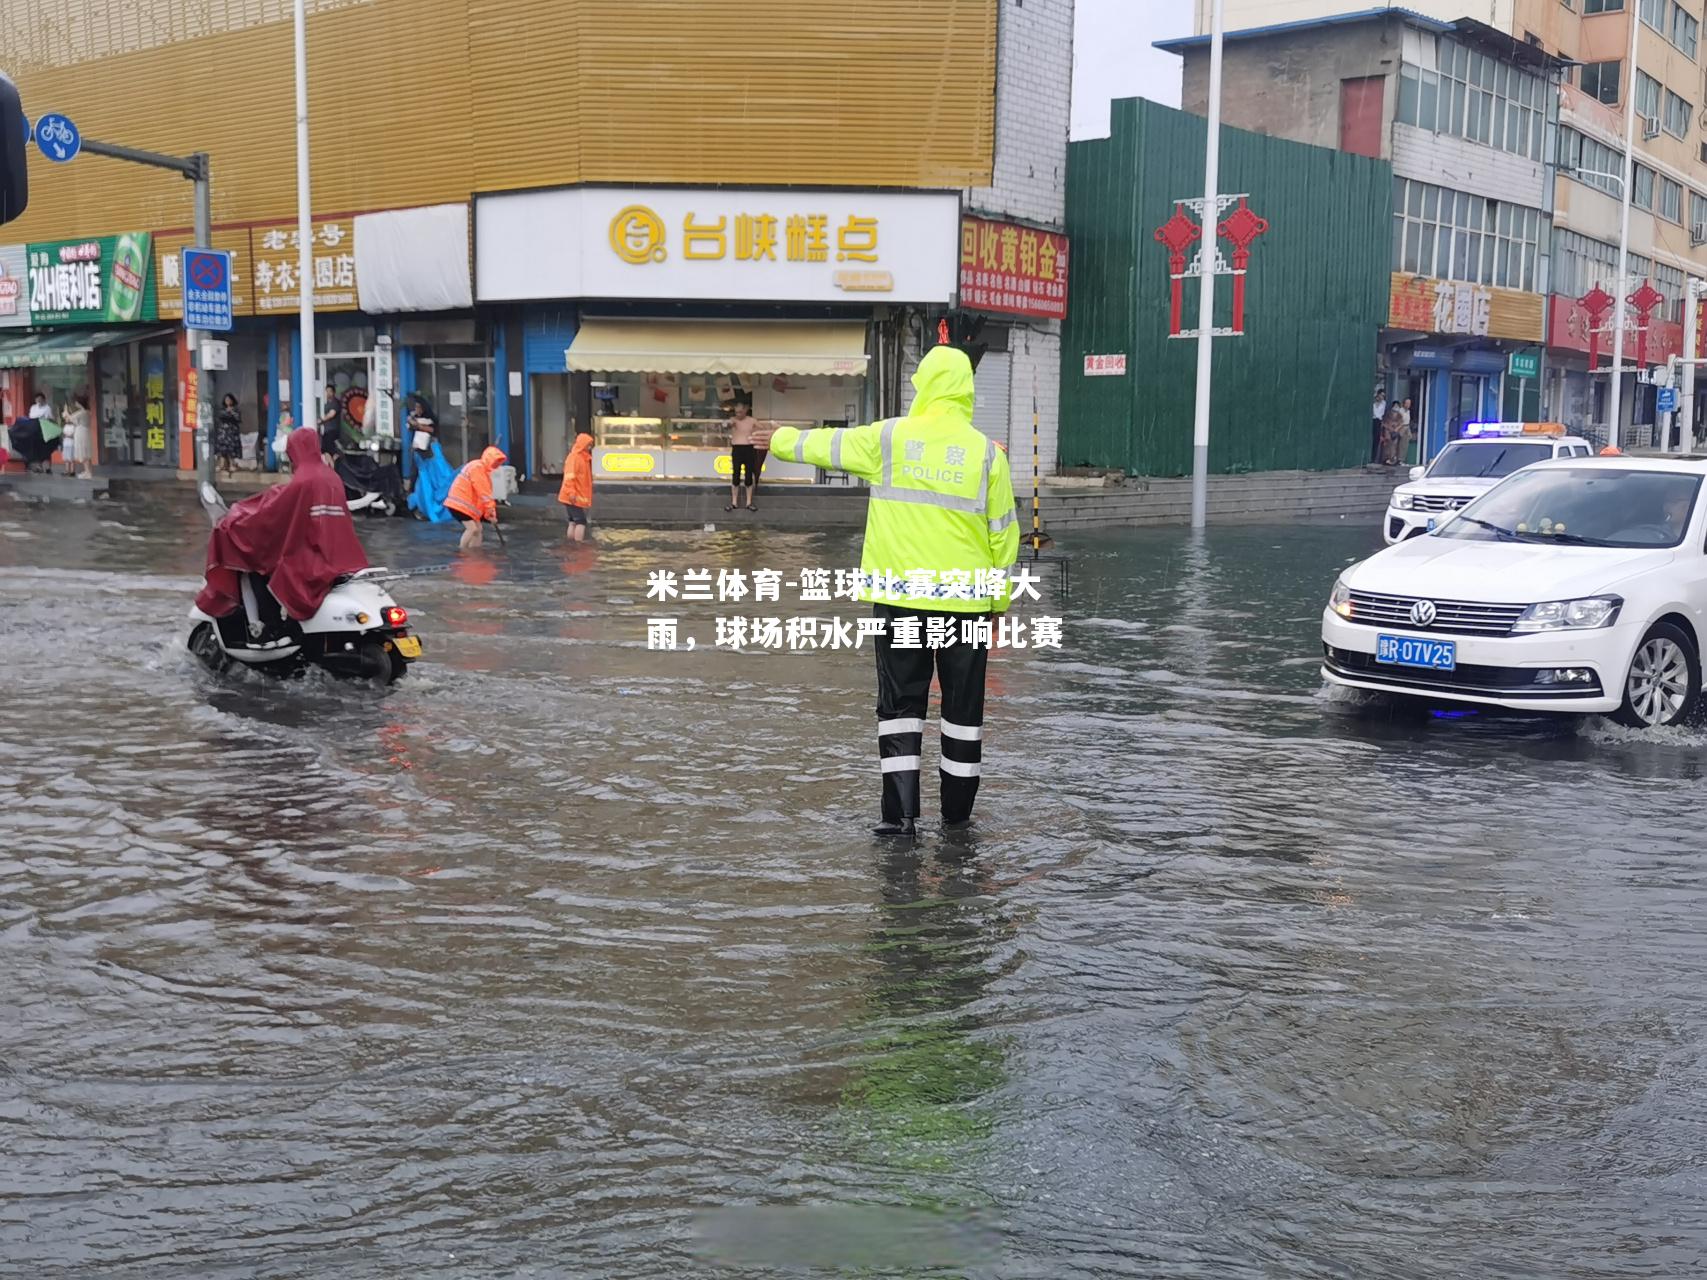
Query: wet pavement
<point x="567" y="958"/>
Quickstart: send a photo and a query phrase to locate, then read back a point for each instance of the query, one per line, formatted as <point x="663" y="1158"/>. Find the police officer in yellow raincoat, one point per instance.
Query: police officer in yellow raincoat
<point x="940" y="533"/>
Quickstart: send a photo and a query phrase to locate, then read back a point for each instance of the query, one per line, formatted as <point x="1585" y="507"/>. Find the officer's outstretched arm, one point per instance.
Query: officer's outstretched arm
<point x="1004" y="520"/>
<point x="856" y="450"/>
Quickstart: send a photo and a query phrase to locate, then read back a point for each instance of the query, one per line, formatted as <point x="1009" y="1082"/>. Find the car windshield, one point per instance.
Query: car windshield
<point x="1585" y="506"/>
<point x="1486" y="460"/>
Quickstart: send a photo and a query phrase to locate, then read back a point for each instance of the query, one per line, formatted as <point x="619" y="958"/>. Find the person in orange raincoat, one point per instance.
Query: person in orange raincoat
<point x="470" y="499"/>
<point x="577" y="492"/>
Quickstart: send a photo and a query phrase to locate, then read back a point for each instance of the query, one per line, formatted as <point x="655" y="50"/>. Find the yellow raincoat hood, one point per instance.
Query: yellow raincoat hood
<point x="943" y="381"/>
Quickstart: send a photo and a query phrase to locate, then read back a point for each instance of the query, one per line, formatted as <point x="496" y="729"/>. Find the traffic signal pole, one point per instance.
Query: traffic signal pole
<point x="196" y="168"/>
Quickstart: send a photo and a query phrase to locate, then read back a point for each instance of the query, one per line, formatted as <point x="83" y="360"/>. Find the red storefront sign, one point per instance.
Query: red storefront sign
<point x="1012" y="270"/>
<point x="1568" y="326"/>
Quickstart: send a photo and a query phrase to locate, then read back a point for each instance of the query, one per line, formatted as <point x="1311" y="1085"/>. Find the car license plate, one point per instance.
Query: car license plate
<point x="1407" y="651"/>
<point x="409" y="646"/>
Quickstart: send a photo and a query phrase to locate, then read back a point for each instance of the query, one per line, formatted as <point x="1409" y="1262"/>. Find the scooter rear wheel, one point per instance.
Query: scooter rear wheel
<point x="204" y="644"/>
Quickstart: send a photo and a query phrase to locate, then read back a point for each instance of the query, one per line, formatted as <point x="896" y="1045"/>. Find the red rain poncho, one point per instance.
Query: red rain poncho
<point x="298" y="535"/>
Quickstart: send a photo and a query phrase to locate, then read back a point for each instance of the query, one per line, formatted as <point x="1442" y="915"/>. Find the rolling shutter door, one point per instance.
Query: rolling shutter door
<point x="990" y="397"/>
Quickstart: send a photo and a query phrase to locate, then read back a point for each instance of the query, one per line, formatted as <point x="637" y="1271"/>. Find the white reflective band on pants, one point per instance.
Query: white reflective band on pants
<point x="901" y="764"/>
<point x="965" y="732"/>
<point x="911" y="725"/>
<point x="959" y="768"/>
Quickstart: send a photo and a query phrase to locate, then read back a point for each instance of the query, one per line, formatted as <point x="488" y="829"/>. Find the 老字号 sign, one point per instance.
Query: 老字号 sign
<point x="277" y="266"/>
<point x="1012" y="270"/>
<point x="691" y="243"/>
<point x="95" y="280"/>
<point x="206" y="275"/>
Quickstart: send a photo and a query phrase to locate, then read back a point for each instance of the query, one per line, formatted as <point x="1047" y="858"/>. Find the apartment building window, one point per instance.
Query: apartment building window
<point x="1671" y="200"/>
<point x="1581" y="264"/>
<point x="1600" y="80"/>
<point x="1642" y="192"/>
<point x="1697" y="211"/>
<point x="1453" y="235"/>
<point x="1603" y="6"/>
<point x="1592" y="163"/>
<point x="1685" y="29"/>
<point x="1654" y="13"/>
<point x="1677" y="113"/>
<point x="1647" y="96"/>
<point x="1451" y="89"/>
<point x="1669" y="281"/>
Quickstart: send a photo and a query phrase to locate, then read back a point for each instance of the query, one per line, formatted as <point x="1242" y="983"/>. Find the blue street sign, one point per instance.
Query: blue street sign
<point x="58" y="138"/>
<point x="206" y="277"/>
<point x="1667" y="400"/>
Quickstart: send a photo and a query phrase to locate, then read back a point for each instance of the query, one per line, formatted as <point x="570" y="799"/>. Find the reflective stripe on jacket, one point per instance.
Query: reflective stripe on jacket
<point x="942" y="500"/>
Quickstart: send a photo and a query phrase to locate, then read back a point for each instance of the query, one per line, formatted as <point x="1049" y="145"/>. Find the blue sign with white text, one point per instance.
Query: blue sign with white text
<point x="207" y="289"/>
<point x="57" y="138"/>
<point x="1666" y="400"/>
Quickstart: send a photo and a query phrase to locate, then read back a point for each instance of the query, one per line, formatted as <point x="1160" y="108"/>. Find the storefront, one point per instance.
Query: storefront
<point x="693" y="299"/>
<point x="1447" y="347"/>
<point x="1580" y="333"/>
<point x="81" y="318"/>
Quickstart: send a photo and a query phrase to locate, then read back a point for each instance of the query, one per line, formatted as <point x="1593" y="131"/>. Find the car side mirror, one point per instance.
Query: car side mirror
<point x="14" y="152"/>
<point x="1417" y="473"/>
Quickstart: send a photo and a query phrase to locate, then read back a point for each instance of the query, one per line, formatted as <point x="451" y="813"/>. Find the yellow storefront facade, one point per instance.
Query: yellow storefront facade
<point x="432" y="106"/>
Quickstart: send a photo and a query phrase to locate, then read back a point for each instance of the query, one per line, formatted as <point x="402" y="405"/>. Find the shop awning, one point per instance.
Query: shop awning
<point x="56" y="350"/>
<point x="719" y="346"/>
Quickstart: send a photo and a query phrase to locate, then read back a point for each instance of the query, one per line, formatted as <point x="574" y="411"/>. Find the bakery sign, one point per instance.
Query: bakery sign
<point x="1012" y="270"/>
<point x="1423" y="304"/>
<point x="717" y="244"/>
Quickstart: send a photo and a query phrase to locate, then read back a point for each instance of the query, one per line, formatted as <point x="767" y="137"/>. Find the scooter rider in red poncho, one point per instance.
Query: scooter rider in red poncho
<point x="299" y="536"/>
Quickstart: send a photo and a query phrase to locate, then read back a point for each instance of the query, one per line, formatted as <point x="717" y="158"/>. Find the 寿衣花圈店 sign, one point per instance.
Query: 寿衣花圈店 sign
<point x="94" y="280"/>
<point x="1012" y="270"/>
<point x="276" y="266"/>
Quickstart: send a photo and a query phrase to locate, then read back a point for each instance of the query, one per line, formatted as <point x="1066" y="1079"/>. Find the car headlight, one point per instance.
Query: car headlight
<point x="1569" y="615"/>
<point x="1340" y="600"/>
<point x="1404" y="502"/>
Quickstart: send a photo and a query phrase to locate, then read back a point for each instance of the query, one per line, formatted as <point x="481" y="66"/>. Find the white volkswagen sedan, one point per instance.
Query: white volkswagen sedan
<point x="1576" y="585"/>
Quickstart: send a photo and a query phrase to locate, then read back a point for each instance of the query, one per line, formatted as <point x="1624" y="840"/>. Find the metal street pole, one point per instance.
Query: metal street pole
<point x="1615" y="429"/>
<point x="1207" y="254"/>
<point x="304" y="224"/>
<point x="199" y="171"/>
<point x="1692" y="291"/>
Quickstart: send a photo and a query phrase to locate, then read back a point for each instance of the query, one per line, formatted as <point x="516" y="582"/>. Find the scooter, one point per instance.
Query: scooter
<point x="359" y="631"/>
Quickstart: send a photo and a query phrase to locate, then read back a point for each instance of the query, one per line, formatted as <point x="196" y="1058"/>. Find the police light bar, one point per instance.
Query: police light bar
<point x="1488" y="430"/>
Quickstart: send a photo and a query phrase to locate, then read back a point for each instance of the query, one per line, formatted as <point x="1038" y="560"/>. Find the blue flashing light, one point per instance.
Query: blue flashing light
<point x="1461" y="713"/>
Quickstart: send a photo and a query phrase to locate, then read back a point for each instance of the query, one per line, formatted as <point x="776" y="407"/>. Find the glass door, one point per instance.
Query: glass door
<point x="459" y="391"/>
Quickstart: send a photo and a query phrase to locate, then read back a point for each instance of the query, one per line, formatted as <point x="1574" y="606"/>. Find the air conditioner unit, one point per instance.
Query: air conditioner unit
<point x="1697" y="234"/>
<point x="1650" y="127"/>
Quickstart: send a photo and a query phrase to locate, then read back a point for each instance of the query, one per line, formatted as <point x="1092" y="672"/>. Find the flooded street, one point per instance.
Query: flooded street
<point x="567" y="958"/>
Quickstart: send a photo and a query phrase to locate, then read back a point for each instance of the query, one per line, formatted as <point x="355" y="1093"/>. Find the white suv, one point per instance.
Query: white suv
<point x="1468" y="468"/>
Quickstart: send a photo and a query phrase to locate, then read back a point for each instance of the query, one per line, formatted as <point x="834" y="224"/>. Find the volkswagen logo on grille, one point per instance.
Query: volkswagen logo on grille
<point x="1422" y="613"/>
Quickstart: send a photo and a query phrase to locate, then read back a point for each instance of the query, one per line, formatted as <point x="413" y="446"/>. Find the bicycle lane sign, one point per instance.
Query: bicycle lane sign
<point x="57" y="138"/>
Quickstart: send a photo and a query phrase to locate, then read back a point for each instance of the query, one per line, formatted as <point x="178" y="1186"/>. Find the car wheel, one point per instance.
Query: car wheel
<point x="1664" y="682"/>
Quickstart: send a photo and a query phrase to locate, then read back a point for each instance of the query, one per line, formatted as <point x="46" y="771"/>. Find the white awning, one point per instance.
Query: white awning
<point x="719" y="346"/>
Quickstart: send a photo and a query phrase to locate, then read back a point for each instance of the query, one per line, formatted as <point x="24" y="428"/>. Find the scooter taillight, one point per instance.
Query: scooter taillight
<point x="396" y="616"/>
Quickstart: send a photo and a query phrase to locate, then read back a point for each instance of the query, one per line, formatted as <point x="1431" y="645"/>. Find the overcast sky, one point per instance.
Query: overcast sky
<point x="1112" y="57"/>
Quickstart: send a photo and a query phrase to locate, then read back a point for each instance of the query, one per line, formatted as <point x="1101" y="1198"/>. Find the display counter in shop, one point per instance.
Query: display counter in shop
<point x="632" y="448"/>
